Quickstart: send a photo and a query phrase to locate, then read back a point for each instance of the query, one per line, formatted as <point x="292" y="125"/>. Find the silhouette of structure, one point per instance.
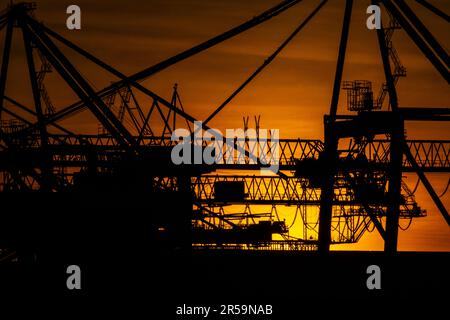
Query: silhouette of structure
<point x="127" y="165"/>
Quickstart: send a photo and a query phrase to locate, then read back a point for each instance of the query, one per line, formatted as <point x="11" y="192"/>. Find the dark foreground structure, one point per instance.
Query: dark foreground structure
<point x="115" y="203"/>
<point x="296" y="285"/>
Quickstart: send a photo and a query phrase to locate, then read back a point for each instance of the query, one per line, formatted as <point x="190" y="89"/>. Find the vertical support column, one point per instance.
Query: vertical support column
<point x="395" y="185"/>
<point x="328" y="159"/>
<point x="331" y="141"/>
<point x="5" y="61"/>
<point x="341" y="58"/>
<point x="46" y="158"/>
<point x="35" y="87"/>
<point x="396" y="152"/>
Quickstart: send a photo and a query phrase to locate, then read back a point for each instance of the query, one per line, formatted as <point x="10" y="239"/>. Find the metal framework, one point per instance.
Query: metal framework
<point x="339" y="188"/>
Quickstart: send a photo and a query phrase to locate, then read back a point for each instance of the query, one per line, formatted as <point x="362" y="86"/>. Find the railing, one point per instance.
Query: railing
<point x="274" y="245"/>
<point x="431" y="155"/>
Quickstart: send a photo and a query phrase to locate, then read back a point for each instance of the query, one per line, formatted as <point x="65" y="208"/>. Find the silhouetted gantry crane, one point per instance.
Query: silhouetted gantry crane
<point x="337" y="188"/>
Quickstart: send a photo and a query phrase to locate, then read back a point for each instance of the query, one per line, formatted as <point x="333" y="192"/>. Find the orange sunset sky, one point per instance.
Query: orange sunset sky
<point x="291" y="95"/>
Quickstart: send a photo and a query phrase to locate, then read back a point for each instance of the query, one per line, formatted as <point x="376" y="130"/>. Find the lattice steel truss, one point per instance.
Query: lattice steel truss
<point x="338" y="188"/>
